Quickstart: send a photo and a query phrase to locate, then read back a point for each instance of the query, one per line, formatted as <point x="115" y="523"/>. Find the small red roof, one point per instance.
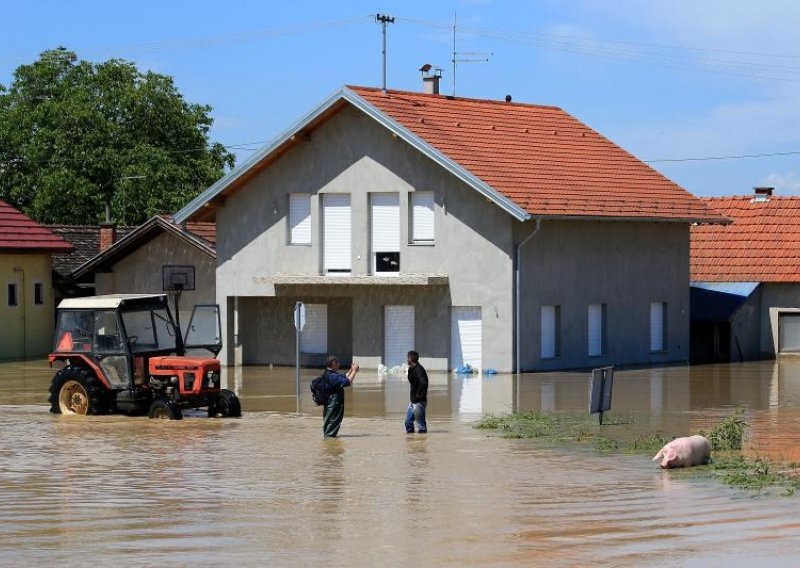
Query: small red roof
<point x="18" y="232"/>
<point x="761" y="245"/>
<point x="541" y="157"/>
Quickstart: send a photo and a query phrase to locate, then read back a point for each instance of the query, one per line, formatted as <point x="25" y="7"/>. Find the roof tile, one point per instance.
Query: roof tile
<point x="18" y="232"/>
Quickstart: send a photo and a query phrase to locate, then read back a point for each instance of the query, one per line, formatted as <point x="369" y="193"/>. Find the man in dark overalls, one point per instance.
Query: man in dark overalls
<point x="334" y="409"/>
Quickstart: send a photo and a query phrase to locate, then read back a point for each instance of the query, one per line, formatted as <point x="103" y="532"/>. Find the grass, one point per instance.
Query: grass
<point x="579" y="429"/>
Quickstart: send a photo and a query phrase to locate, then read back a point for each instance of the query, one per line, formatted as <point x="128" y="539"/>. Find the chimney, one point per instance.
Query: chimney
<point x="762" y="193"/>
<point x="430" y="81"/>
<point x="108" y="235"/>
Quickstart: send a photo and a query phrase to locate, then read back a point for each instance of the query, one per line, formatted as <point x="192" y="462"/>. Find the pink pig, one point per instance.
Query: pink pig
<point x="685" y="452"/>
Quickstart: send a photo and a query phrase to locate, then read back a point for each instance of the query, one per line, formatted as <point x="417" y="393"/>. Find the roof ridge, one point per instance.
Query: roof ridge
<point x="440" y="96"/>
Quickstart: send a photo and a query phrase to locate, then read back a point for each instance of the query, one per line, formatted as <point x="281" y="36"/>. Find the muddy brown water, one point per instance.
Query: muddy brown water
<point x="268" y="490"/>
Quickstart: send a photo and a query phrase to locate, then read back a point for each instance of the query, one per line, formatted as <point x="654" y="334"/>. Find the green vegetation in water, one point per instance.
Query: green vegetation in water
<point x="728" y="464"/>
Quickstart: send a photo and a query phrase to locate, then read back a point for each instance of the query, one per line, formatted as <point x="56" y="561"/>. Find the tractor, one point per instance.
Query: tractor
<point x="124" y="353"/>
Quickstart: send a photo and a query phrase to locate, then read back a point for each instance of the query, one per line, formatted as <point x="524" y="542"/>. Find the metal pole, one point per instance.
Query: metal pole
<point x="297" y="367"/>
<point x="383" y="19"/>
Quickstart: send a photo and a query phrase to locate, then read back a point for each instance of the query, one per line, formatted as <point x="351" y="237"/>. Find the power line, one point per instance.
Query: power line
<point x="734" y="157"/>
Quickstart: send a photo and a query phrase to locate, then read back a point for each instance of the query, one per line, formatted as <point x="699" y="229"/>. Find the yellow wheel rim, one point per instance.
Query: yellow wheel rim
<point x="161" y="412"/>
<point x="73" y="398"/>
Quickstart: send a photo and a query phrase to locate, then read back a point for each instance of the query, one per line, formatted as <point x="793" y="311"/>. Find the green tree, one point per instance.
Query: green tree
<point x="75" y="136"/>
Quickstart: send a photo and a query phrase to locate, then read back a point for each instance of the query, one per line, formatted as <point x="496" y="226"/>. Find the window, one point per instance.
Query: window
<point x="12" y="295"/>
<point x="300" y="219"/>
<point x="597" y="330"/>
<point x="422" y="217"/>
<point x="658" y="326"/>
<point x="314" y="337"/>
<point x="385" y="221"/>
<point x="551" y="332"/>
<point x="38" y="293"/>
<point x="789" y="332"/>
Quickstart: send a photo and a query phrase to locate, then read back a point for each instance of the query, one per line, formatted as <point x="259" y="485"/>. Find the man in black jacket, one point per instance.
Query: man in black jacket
<point x="418" y="381"/>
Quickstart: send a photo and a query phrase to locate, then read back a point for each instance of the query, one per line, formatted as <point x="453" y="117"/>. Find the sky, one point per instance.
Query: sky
<point x="673" y="82"/>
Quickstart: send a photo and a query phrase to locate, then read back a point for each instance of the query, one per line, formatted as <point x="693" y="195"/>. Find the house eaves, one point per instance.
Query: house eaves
<point x="136" y="238"/>
<point x="194" y="207"/>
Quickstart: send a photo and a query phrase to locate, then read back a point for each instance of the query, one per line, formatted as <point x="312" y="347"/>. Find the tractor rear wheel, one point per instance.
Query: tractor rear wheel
<point x="165" y="409"/>
<point x="75" y="391"/>
<point x="227" y="405"/>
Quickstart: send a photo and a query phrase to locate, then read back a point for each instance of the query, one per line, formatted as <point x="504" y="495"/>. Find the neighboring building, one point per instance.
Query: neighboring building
<point x="87" y="241"/>
<point x="406" y="220"/>
<point x="746" y="279"/>
<point x="26" y="304"/>
<point x="134" y="264"/>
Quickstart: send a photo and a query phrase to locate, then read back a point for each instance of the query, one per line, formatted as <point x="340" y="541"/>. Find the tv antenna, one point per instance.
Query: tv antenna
<point x="384" y="19"/>
<point x="471" y="56"/>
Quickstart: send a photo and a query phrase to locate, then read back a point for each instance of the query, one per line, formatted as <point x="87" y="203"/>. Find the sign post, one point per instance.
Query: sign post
<point x="600" y="391"/>
<point x="299" y="324"/>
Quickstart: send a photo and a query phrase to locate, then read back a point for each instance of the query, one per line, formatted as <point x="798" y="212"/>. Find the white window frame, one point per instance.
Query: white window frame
<point x="545" y="321"/>
<point x="414" y="213"/>
<point x="299" y="234"/>
<point x="596" y="314"/>
<point x="658" y="327"/>
<point x="317" y="322"/>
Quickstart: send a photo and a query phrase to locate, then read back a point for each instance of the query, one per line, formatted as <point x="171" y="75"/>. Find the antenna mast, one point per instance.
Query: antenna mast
<point x="384" y="19"/>
<point x="482" y="57"/>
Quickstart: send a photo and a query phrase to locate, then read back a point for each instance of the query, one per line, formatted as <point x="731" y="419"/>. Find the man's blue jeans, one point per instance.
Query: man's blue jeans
<point x="416" y="413"/>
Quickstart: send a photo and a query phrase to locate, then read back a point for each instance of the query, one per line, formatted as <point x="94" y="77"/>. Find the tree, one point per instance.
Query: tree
<point x="76" y="136"/>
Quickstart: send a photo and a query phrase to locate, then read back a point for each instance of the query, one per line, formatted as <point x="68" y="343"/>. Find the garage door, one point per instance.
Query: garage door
<point x="789" y="333"/>
<point x="314" y="337"/>
<point x="337" y="233"/>
<point x="467" y="337"/>
<point x="398" y="334"/>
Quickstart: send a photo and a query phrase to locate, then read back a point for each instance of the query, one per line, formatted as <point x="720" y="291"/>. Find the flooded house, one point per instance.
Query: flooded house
<point x="746" y="279"/>
<point x="487" y="233"/>
<point x="26" y="305"/>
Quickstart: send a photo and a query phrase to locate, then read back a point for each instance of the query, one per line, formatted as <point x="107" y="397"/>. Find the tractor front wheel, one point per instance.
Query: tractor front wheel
<point x="165" y="409"/>
<point x="75" y="391"/>
<point x="227" y="405"/>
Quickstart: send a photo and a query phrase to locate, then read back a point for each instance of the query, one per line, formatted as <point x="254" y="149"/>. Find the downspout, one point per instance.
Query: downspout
<point x="517" y="293"/>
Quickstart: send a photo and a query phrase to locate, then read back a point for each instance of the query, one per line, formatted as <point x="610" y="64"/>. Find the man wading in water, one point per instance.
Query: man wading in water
<point x="418" y="382"/>
<point x="334" y="409"/>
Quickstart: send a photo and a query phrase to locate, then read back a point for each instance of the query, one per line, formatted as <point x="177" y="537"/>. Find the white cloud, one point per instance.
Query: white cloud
<point x="784" y="184"/>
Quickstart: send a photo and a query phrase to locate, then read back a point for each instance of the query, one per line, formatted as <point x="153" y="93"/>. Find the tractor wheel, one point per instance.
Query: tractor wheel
<point x="165" y="409"/>
<point x="227" y="405"/>
<point x="75" y="391"/>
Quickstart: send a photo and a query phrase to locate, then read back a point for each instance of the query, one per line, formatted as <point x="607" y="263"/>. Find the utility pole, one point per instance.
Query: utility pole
<point x="384" y="19"/>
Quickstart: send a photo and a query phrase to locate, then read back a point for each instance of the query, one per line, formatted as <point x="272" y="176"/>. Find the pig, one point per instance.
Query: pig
<point x="685" y="452"/>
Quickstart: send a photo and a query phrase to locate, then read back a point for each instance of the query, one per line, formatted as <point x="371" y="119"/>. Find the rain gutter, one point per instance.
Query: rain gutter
<point x="517" y="294"/>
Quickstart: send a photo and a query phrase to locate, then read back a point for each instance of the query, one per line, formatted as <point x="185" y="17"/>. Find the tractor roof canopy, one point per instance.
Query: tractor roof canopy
<point x="110" y="301"/>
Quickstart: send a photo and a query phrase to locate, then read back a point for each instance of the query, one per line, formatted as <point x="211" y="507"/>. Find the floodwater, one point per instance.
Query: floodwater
<point x="268" y="490"/>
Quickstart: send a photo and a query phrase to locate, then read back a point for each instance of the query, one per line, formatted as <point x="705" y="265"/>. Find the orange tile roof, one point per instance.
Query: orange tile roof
<point x="541" y="157"/>
<point x="18" y="232"/>
<point x="761" y="245"/>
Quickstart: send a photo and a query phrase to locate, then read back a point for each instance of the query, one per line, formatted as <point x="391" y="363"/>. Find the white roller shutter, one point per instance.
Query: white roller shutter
<point x="595" y="326"/>
<point x="549" y="332"/>
<point x="314" y="337"/>
<point x="398" y="334"/>
<point x="466" y="345"/>
<point x="337" y="233"/>
<point x="422" y="224"/>
<point x="300" y="219"/>
<point x="789" y="332"/>
<point x="656" y="326"/>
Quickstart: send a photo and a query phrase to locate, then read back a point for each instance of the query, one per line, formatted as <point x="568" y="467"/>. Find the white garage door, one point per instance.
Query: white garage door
<point x="398" y="333"/>
<point x="466" y="346"/>
<point x="314" y="337"/>
<point x="337" y="233"/>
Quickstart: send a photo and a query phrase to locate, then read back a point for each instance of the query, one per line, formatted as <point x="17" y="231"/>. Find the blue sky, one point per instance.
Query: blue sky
<point x="673" y="79"/>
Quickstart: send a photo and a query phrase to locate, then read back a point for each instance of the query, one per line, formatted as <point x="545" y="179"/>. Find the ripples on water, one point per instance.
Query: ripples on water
<point x="267" y="490"/>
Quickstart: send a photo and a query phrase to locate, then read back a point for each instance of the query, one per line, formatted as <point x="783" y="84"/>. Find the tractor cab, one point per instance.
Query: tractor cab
<point x="134" y="353"/>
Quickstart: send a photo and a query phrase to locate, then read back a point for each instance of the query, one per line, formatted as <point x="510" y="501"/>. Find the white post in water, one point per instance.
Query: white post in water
<point x="299" y="324"/>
